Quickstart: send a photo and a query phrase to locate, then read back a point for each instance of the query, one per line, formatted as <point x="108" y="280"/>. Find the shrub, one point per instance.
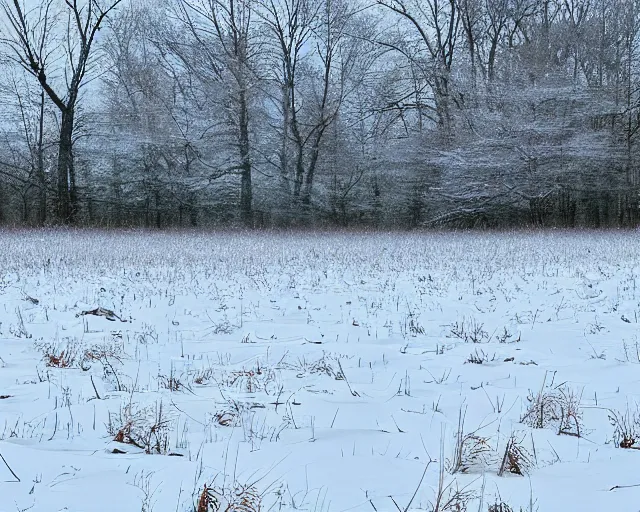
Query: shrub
<point x="557" y="408"/>
<point x="626" y="429"/>
<point x="235" y="498"/>
<point x="147" y="429"/>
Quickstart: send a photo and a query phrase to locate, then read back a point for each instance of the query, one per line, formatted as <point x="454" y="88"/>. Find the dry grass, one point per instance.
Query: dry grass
<point x="251" y="380"/>
<point x="626" y="428"/>
<point x="500" y="507"/>
<point x="62" y="360"/>
<point x="516" y="459"/>
<point x="558" y="408"/>
<point x="472" y="452"/>
<point x="239" y="498"/>
<point x="147" y="429"/>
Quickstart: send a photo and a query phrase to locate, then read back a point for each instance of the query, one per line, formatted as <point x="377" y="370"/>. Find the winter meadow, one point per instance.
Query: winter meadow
<point x="319" y="372"/>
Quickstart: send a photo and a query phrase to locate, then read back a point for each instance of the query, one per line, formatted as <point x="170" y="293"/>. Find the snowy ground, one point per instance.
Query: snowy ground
<point x="345" y="372"/>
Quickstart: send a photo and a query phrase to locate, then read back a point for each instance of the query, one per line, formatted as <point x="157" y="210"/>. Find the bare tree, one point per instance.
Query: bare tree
<point x="290" y="24"/>
<point x="223" y="32"/>
<point x="38" y="49"/>
<point x="26" y="144"/>
<point x="437" y="24"/>
<point x="472" y="19"/>
<point x="314" y="61"/>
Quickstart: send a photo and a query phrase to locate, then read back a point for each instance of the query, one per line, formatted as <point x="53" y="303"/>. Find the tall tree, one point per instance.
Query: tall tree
<point x="36" y="45"/>
<point x="314" y="56"/>
<point x="27" y="144"/>
<point x="224" y="36"/>
<point x="290" y="25"/>
<point x="437" y="24"/>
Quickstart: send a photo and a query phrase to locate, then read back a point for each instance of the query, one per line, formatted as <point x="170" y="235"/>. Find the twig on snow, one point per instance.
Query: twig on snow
<point x="9" y="468"/>
<point x="623" y="487"/>
<point x="94" y="388"/>
<point x="344" y="376"/>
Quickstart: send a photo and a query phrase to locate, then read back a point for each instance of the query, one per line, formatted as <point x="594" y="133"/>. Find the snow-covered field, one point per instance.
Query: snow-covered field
<point x="326" y="372"/>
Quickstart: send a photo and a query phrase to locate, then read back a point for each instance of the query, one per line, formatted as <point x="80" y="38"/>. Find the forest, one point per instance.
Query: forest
<point x="320" y="113"/>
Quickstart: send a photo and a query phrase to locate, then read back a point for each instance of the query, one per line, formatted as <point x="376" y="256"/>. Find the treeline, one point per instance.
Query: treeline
<point x="407" y="113"/>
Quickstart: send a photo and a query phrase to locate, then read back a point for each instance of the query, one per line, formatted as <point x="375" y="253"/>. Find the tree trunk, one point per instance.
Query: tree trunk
<point x="297" y="137"/>
<point x="67" y="195"/>
<point x="472" y="51"/>
<point x="117" y="200"/>
<point x="41" y="177"/>
<point x="313" y="162"/>
<point x="246" y="191"/>
<point x="299" y="179"/>
<point x="25" y="208"/>
<point x="284" y="148"/>
<point x="491" y="66"/>
<point x="193" y="211"/>
<point x="158" y="215"/>
<point x="147" y="212"/>
<point x="441" y="93"/>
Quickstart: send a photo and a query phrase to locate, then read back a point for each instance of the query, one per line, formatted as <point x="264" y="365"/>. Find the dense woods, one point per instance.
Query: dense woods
<point x="387" y="113"/>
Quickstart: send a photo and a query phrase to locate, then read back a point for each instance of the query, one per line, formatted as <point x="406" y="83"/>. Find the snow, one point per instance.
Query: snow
<point x="324" y="372"/>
